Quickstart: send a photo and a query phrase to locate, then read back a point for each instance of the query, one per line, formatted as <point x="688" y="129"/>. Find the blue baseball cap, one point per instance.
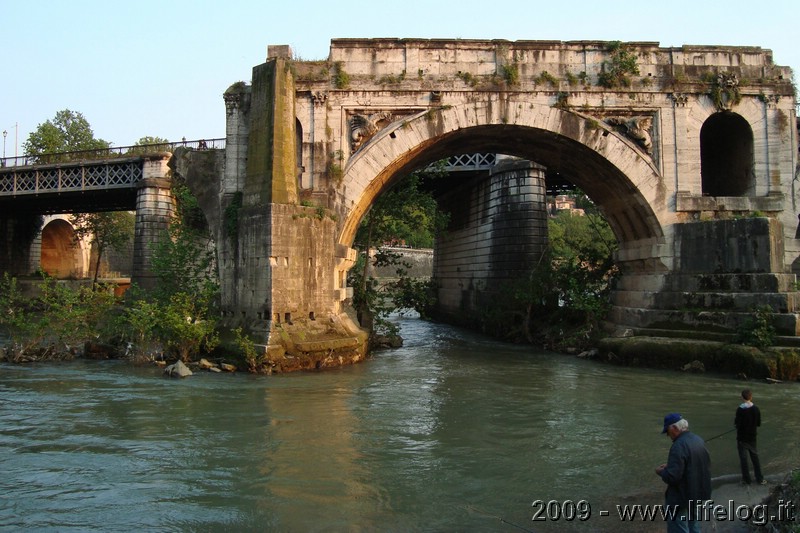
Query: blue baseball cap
<point x="670" y="419"/>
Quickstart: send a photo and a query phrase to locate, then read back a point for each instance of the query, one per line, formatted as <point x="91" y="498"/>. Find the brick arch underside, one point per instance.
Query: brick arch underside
<point x="60" y="254"/>
<point x="577" y="150"/>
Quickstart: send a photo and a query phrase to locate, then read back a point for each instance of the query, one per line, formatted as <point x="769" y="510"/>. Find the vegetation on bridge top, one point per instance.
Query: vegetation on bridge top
<point x="574" y="65"/>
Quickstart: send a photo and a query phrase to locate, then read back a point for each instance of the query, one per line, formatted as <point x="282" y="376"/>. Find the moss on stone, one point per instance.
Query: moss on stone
<point x="670" y="353"/>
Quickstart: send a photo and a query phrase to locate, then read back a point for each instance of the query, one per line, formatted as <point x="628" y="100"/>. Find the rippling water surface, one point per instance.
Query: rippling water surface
<point x="452" y="432"/>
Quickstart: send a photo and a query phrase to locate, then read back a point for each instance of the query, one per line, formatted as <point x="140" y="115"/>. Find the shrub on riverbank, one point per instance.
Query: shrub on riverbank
<point x="56" y="322"/>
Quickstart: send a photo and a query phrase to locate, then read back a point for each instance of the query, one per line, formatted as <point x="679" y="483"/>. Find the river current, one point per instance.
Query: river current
<point x="451" y="432"/>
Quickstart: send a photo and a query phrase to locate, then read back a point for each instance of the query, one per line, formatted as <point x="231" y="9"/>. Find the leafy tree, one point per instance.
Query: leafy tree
<point x="52" y="323"/>
<point x="621" y="64"/>
<point x="406" y="213"/>
<point x="137" y="324"/>
<point x="150" y="144"/>
<point x="187" y="288"/>
<point x="183" y="257"/>
<point x="69" y="131"/>
<point x="185" y="327"/>
<point x="757" y="330"/>
<point x="587" y="238"/>
<point x="567" y="291"/>
<point x="25" y="328"/>
<point x="110" y="230"/>
<point x="143" y="141"/>
<point x="582" y="249"/>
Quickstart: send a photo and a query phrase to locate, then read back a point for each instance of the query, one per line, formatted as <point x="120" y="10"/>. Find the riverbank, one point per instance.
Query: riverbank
<point x="680" y="354"/>
<point x="693" y="355"/>
<point x="773" y="507"/>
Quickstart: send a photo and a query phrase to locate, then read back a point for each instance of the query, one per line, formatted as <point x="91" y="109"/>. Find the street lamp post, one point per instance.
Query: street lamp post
<point x="5" y="133"/>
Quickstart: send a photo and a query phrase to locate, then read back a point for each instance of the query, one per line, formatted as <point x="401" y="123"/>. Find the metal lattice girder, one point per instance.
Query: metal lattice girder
<point x="62" y="179"/>
<point x="470" y="162"/>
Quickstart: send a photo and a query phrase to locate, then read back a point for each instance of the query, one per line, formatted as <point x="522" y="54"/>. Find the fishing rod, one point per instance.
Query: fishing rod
<point x="721" y="434"/>
<point x="503" y="520"/>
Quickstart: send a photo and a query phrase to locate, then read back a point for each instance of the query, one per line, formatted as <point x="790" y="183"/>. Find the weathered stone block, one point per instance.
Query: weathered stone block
<point x="750" y="245"/>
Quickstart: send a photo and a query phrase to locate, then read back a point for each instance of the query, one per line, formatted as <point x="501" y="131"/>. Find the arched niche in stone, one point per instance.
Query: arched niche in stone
<point x="298" y="143"/>
<point x="727" y="156"/>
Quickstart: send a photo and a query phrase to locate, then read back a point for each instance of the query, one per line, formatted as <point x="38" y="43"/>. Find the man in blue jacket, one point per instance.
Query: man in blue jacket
<point x="687" y="474"/>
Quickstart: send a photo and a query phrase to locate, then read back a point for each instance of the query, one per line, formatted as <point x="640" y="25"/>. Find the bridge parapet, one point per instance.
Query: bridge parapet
<point x="574" y="66"/>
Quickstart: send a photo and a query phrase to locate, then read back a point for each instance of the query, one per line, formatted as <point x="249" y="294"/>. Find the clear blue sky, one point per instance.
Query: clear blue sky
<point x="159" y="68"/>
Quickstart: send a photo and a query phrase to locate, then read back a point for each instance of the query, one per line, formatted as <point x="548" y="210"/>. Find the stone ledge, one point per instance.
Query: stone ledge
<point x="779" y="302"/>
<point x="687" y="202"/>
<point x="698" y="323"/>
<point x="675" y="353"/>
<point x="326" y="344"/>
<point x="735" y="282"/>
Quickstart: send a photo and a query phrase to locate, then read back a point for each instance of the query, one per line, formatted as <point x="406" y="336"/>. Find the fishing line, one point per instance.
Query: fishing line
<point x="503" y="520"/>
<point x="721" y="434"/>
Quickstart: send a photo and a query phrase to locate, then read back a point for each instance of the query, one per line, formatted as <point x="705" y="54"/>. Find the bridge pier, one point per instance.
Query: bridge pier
<point x="18" y="233"/>
<point x="724" y="270"/>
<point x="497" y="240"/>
<point x="280" y="273"/>
<point x="155" y="207"/>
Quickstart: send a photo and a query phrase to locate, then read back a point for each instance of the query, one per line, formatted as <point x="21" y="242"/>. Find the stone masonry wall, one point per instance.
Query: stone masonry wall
<point x="502" y="236"/>
<point x="154" y="208"/>
<point x="377" y="109"/>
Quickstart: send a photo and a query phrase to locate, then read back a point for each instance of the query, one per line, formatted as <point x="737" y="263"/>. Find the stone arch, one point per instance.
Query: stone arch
<point x="727" y="158"/>
<point x="616" y="174"/>
<point x="61" y="254"/>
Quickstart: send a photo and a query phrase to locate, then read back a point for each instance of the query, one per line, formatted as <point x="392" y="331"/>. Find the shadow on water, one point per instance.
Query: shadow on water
<point x="451" y="432"/>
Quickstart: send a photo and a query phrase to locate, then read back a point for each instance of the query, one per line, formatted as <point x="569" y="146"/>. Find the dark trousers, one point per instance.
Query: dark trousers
<point x="745" y="449"/>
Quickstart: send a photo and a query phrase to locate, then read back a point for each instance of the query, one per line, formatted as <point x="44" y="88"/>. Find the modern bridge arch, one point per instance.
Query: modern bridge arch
<point x="610" y="169"/>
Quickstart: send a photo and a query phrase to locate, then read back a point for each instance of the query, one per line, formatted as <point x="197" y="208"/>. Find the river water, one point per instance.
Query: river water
<point x="452" y="432"/>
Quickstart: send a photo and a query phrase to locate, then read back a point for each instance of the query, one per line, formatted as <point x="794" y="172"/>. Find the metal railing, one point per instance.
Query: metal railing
<point x="471" y="162"/>
<point x="108" y="153"/>
<point x="102" y="175"/>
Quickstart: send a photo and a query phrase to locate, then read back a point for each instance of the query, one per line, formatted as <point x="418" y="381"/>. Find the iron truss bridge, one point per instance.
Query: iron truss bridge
<point x="470" y="162"/>
<point x="77" y="181"/>
<point x="555" y="183"/>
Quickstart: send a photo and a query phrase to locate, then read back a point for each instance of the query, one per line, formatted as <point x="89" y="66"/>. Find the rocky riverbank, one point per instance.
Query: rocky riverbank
<point x="773" y="508"/>
<point x="782" y="505"/>
<point x="776" y="363"/>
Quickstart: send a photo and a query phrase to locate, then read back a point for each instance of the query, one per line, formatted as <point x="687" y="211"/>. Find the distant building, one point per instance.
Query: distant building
<point x="563" y="202"/>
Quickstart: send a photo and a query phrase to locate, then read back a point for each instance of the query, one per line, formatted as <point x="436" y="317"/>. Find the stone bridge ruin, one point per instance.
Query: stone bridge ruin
<point x="690" y="153"/>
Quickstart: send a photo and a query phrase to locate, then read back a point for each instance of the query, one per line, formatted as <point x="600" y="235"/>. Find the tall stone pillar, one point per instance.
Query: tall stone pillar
<point x="155" y="207"/>
<point x="228" y="236"/>
<point x="237" y="105"/>
<point x="499" y="240"/>
<point x="35" y="253"/>
<point x="284" y="281"/>
<point x="267" y="180"/>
